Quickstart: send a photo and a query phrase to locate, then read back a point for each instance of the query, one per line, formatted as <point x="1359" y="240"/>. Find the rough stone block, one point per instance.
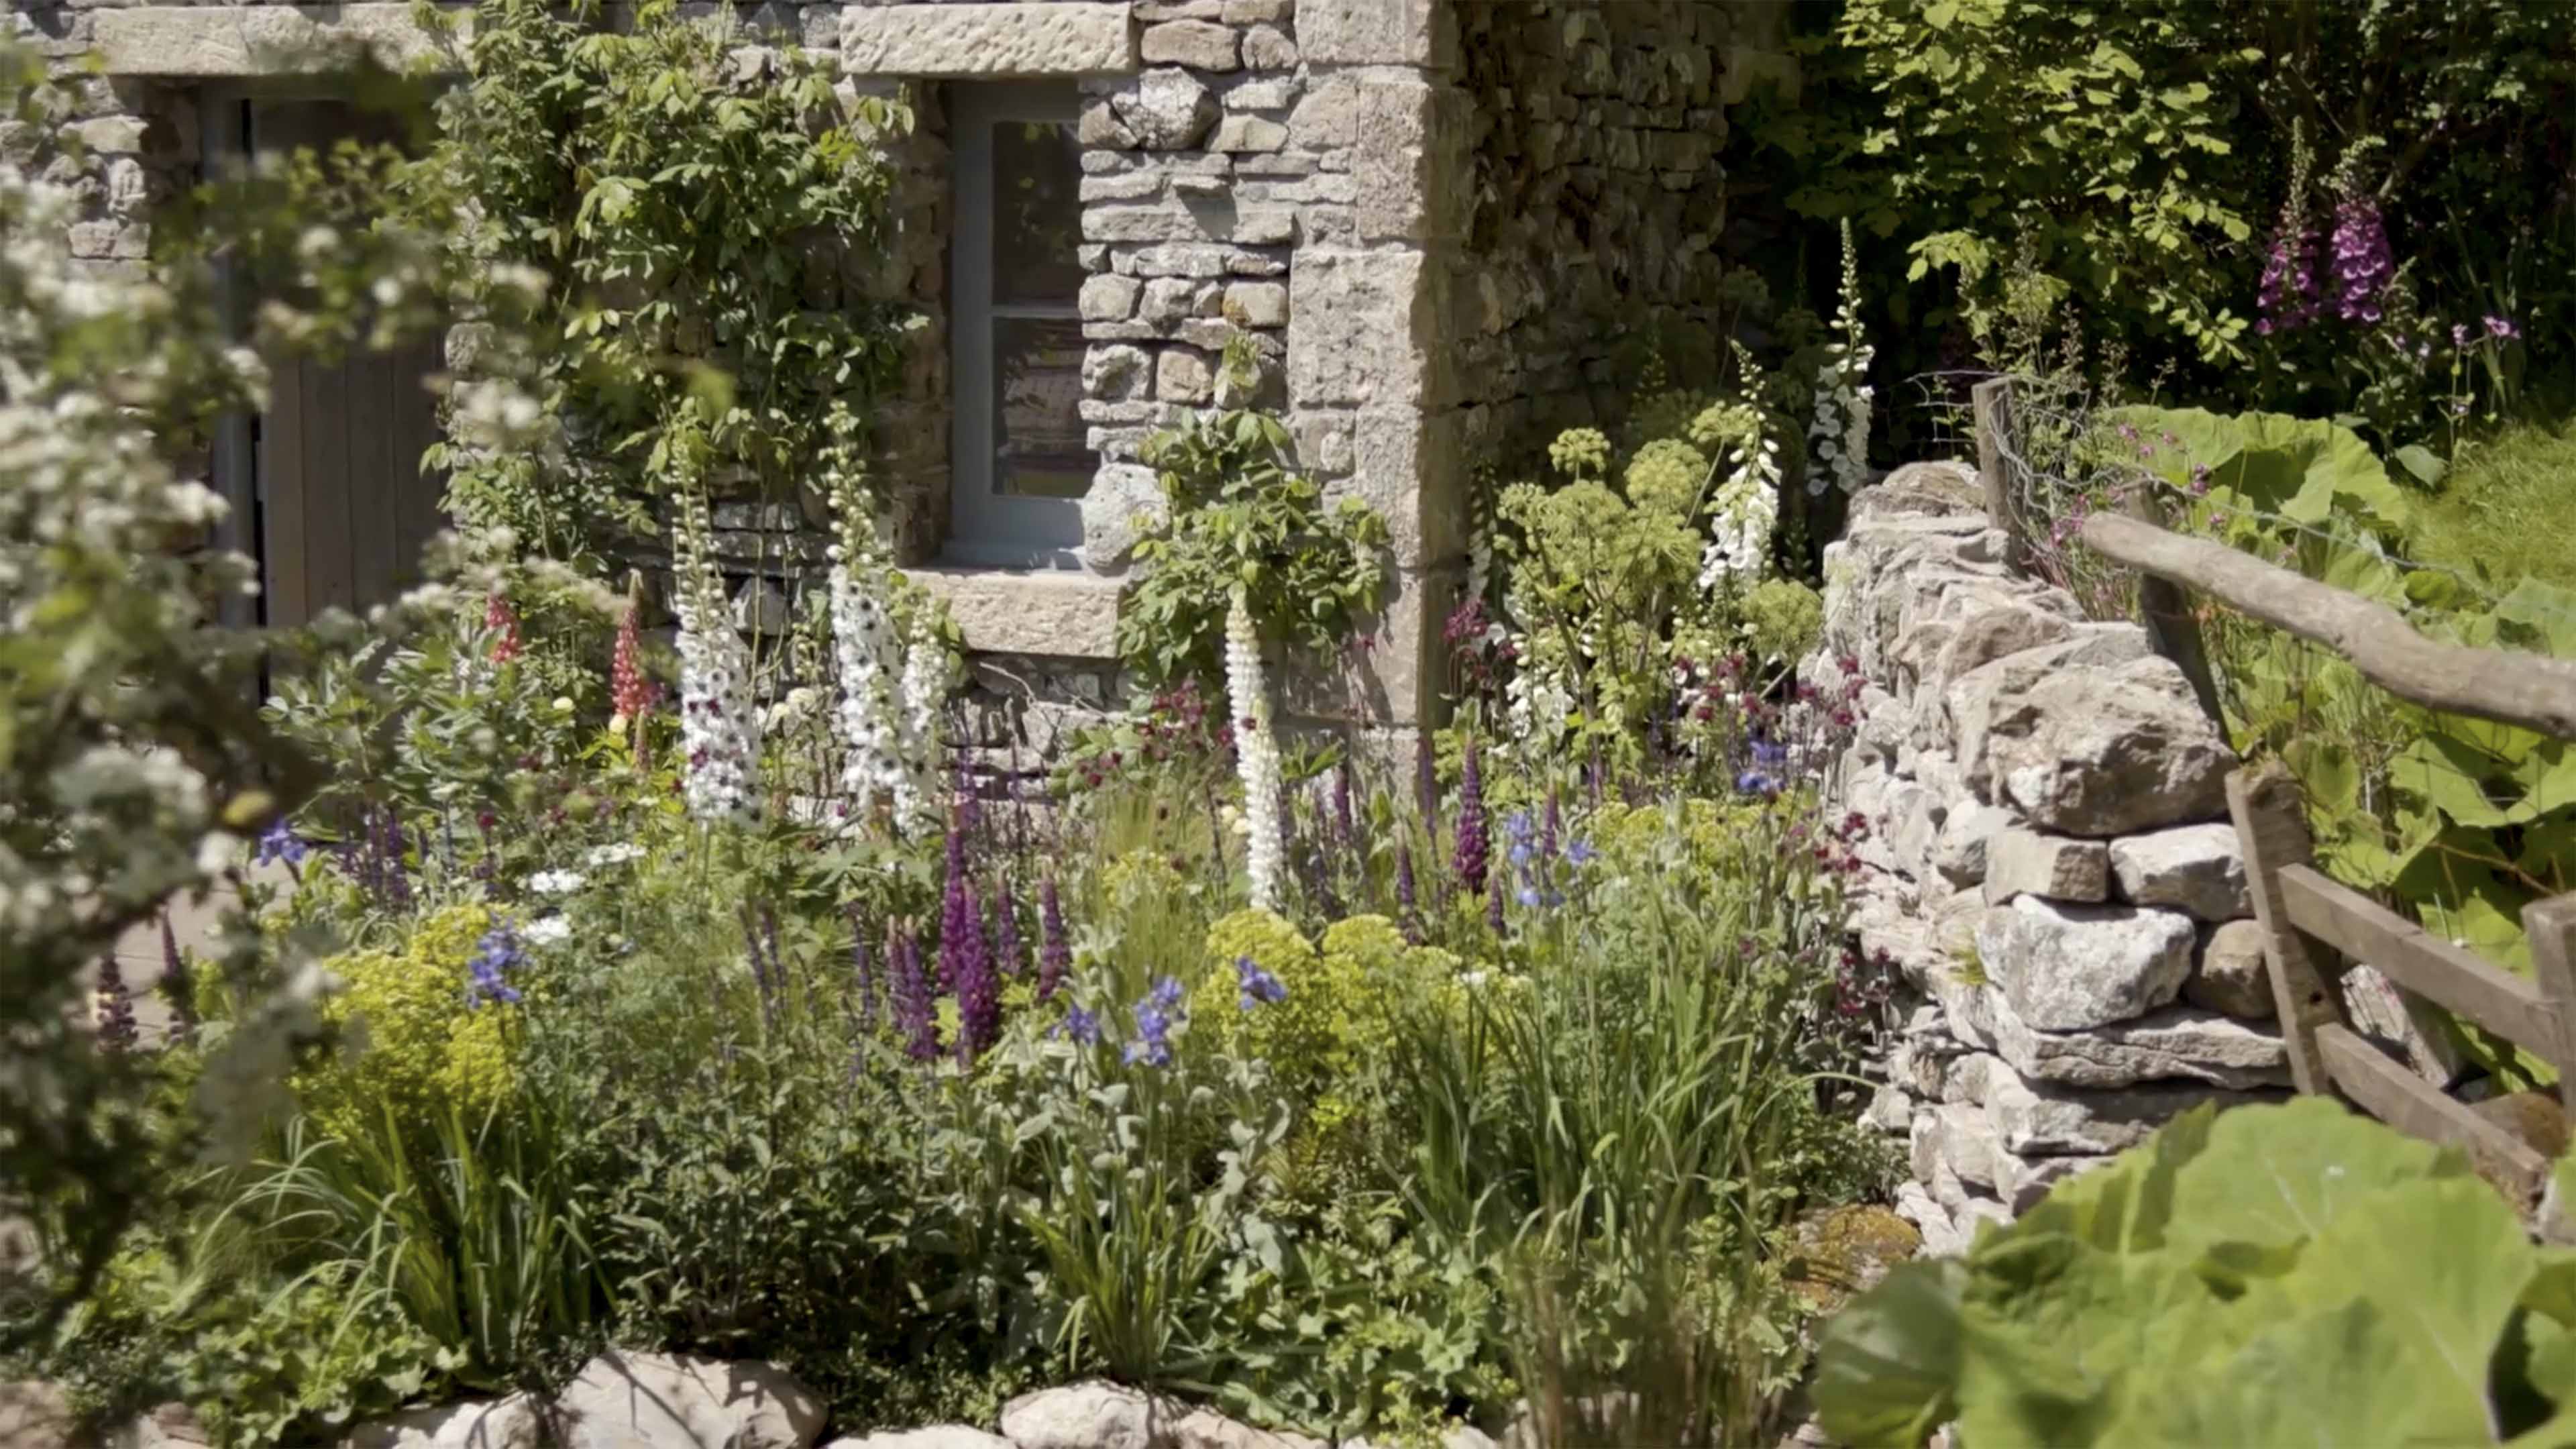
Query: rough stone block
<point x="1108" y="297"/>
<point x="1248" y="133"/>
<point x="1053" y="612"/>
<point x="1064" y="37"/>
<point x="257" y="40"/>
<point x="1184" y="375"/>
<point x="2112" y="752"/>
<point x="2072" y="967"/>
<point x="1116" y="373"/>
<point x="1164" y="110"/>
<point x="2055" y="866"/>
<point x="1359" y="329"/>
<point x="1967" y="841"/>
<point x="2234" y="976"/>
<point x="1198" y="44"/>
<point x="2175" y="1043"/>
<point x="1378" y="32"/>
<point x="2044" y="1119"/>
<point x="2195" y="868"/>
<point x="1122" y="497"/>
<point x="1256" y="304"/>
<point x="1267" y="47"/>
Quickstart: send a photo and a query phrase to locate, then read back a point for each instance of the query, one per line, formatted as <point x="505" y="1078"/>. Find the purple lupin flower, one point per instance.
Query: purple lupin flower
<point x="1007" y="961"/>
<point x="1426" y="785"/>
<point x="1475" y="849"/>
<point x="1055" y="953"/>
<point x="176" y="985"/>
<point x="1494" y="901"/>
<point x="116" y="1028"/>
<point x="956" y="906"/>
<point x="397" y="881"/>
<point x="1548" y="827"/>
<point x="863" y="977"/>
<point x="2362" y="264"/>
<point x="1345" y="829"/>
<point x="979" y="992"/>
<point x="916" y="1018"/>
<point x="1404" y="894"/>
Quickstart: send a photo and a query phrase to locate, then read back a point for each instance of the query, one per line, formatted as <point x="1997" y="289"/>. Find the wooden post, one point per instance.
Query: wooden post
<point x="2551" y="927"/>
<point x="2274" y="834"/>
<point x="2166" y="608"/>
<point x="1993" y="407"/>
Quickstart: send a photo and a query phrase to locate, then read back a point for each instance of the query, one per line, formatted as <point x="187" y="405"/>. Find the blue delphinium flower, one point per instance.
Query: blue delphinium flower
<point x="1764" y="775"/>
<point x="1153" y="1043"/>
<point x="1580" y="853"/>
<point x="495" y="956"/>
<point x="1083" y="1026"/>
<point x="280" y="842"/>
<point x="1254" y="985"/>
<point x="1522" y="832"/>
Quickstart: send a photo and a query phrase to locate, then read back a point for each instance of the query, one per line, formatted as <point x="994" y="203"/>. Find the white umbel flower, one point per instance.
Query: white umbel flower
<point x="1256" y="753"/>
<point x="1840" y="433"/>
<point x="719" y="724"/>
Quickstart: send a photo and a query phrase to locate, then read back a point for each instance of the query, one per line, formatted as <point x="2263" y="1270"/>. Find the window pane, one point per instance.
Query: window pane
<point x="1037" y="406"/>
<point x="1037" y="212"/>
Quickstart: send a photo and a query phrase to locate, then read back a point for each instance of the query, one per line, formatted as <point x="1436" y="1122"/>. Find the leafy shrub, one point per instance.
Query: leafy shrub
<point x="2248" y="1277"/>
<point x="417" y="1050"/>
<point x="1236" y="514"/>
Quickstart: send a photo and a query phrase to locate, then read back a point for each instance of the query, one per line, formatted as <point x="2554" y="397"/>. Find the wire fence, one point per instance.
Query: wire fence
<point x="2457" y="819"/>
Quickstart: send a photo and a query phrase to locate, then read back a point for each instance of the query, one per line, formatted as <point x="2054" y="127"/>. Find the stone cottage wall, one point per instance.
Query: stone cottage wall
<point x="2049" y="865"/>
<point x="1594" y="201"/>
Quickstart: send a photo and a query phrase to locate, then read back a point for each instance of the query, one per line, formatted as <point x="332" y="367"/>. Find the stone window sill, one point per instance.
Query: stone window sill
<point x="1054" y="612"/>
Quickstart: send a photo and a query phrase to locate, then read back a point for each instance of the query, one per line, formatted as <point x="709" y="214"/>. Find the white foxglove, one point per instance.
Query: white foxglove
<point x="1742" y="515"/>
<point x="1256" y="753"/>
<point x="1840" y="432"/>
<point x="719" y="725"/>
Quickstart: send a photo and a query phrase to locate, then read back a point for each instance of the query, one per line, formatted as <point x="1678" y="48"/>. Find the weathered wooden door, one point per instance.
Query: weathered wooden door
<point x="343" y="505"/>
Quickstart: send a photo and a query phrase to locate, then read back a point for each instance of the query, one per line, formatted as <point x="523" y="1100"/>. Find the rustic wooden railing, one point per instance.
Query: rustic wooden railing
<point x="2312" y="926"/>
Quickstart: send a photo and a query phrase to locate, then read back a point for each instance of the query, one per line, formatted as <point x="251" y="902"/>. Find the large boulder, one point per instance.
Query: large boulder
<point x="936" y="1437"/>
<point x="2069" y="967"/>
<point x="2234" y="975"/>
<point x="680" y="1401"/>
<point x="2111" y="752"/>
<point x="2174" y="1043"/>
<point x="35" y="1414"/>
<point x="1102" y="1415"/>
<point x="2195" y="868"/>
<point x="1966" y="846"/>
<point x="2042" y="1119"/>
<point x="1991" y="700"/>
<point x="512" y="1423"/>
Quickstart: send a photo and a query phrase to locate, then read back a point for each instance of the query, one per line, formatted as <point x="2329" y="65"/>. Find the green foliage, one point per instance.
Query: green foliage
<point x="2266" y="1273"/>
<point x="2130" y="163"/>
<point x="1237" y="514"/>
<point x="2502" y="508"/>
<point x="417" y="1051"/>
<point x="697" y="231"/>
<point x="2462" y="822"/>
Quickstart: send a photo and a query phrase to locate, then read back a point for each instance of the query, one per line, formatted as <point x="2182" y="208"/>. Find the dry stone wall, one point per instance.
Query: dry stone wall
<point x="2049" y="865"/>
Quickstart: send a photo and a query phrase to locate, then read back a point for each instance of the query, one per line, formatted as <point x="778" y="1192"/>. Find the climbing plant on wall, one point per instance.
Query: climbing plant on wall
<point x="699" y="223"/>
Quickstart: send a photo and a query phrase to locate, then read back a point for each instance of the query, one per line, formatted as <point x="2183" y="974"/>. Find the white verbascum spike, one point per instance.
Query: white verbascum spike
<point x="1256" y="753"/>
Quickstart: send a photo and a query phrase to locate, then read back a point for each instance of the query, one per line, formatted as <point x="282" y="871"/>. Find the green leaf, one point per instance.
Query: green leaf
<point x="2421" y="462"/>
<point x="1885" y="1369"/>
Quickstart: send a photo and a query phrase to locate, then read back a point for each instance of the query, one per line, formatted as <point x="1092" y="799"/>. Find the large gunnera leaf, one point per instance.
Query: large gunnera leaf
<point x="2289" y="1274"/>
<point x="2302" y="469"/>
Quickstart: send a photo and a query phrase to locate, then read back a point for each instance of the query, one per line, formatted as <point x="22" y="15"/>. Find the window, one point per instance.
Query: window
<point x="1020" y="463"/>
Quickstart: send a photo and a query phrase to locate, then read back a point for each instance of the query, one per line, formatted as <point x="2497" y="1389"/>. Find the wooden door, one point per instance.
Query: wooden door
<point x="344" y="507"/>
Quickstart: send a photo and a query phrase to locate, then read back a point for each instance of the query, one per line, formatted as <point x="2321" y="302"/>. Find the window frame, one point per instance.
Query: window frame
<point x="988" y="527"/>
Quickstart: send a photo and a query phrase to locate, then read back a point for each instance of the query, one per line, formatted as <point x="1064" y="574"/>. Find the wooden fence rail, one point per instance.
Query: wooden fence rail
<point x="2312" y="926"/>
